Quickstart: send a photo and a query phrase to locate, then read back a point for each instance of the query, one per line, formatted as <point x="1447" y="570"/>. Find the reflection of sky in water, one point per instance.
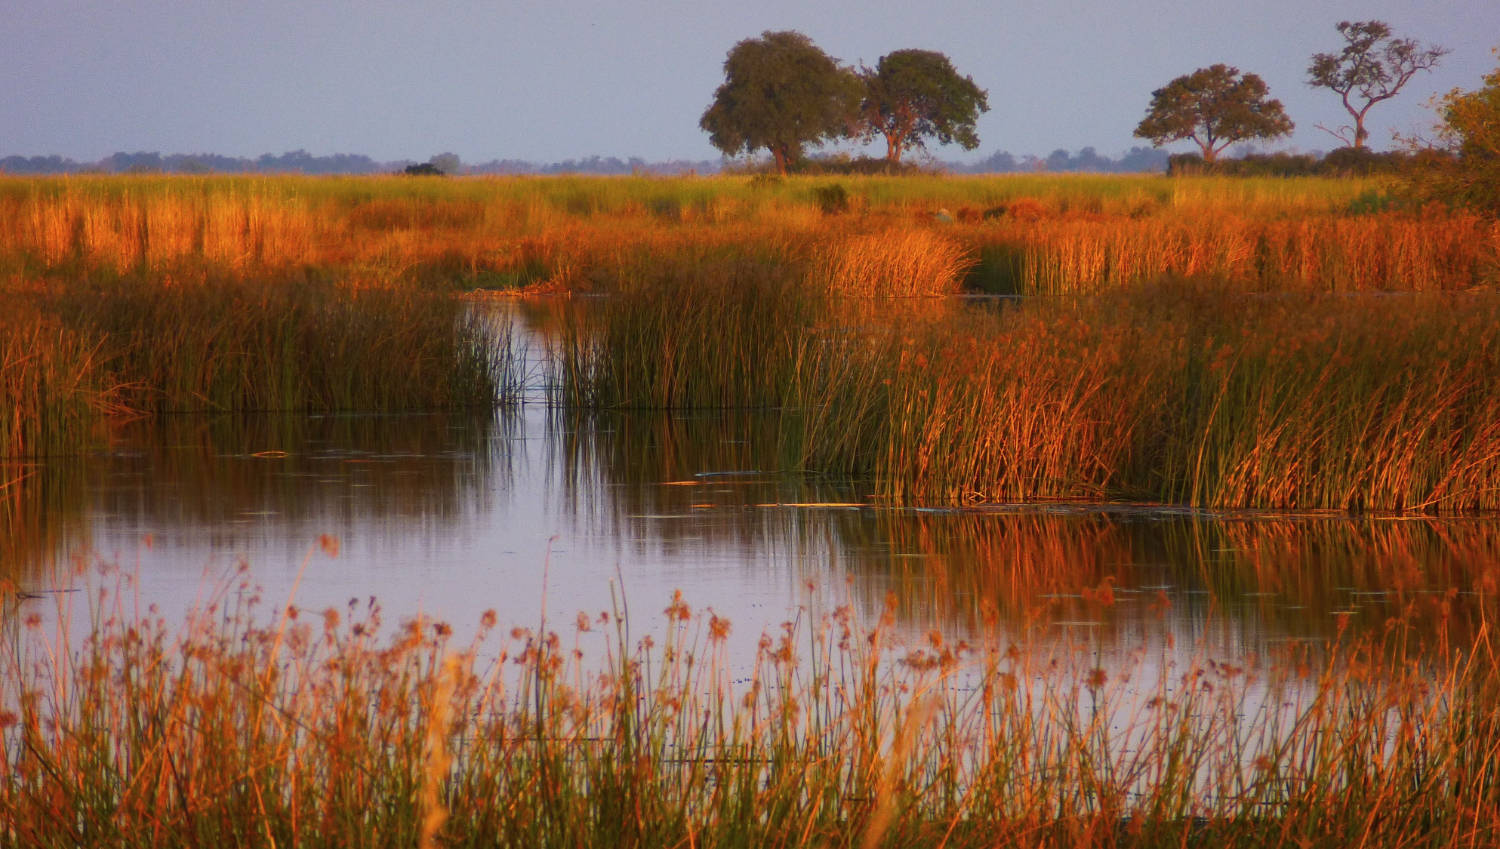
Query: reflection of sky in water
<point x="451" y="516"/>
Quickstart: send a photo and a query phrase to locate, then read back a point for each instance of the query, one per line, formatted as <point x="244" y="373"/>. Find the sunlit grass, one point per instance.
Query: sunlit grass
<point x="1247" y="386"/>
<point x="76" y="357"/>
<point x="1023" y="233"/>
<point x="1179" y="392"/>
<point x="293" y="727"/>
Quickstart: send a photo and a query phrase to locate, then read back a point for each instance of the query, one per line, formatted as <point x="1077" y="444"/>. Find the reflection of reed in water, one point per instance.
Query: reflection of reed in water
<point x="958" y="565"/>
<point x="649" y="477"/>
<point x="707" y="479"/>
<point x="1276" y="578"/>
<point x="1438" y="574"/>
<point x="701" y="483"/>
<point x="194" y="475"/>
<point x="41" y="508"/>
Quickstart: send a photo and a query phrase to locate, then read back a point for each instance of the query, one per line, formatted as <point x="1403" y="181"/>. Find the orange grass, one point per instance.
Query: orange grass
<point x="1178" y="392"/>
<point x="1021" y="234"/>
<point x="326" y="729"/>
<point x="901" y="263"/>
<point x="1314" y="251"/>
<point x="75" y="357"/>
<point x="1185" y="395"/>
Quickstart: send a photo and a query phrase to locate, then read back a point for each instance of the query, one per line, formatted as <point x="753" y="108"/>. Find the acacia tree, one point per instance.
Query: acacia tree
<point x="1371" y="68"/>
<point x="1214" y="107"/>
<point x="912" y="94"/>
<point x="780" y="92"/>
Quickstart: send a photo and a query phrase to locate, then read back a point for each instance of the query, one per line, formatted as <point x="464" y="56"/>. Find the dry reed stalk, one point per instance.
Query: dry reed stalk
<point x="1312" y="252"/>
<point x="438" y="759"/>
<point x="1249" y="234"/>
<point x="910" y="262"/>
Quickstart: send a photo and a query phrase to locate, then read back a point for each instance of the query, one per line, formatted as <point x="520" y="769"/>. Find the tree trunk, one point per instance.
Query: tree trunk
<point x="778" y="153"/>
<point x="892" y="149"/>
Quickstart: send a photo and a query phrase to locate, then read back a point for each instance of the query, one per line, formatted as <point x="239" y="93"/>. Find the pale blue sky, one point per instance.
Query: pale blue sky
<point x="548" y="80"/>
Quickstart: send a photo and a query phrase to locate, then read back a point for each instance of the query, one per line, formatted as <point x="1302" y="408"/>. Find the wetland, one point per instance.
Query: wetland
<point x="1191" y="536"/>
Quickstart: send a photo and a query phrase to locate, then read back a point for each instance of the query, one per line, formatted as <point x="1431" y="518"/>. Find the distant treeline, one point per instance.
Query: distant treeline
<point x="1341" y="162"/>
<point x="302" y="162"/>
<point x="1136" y="160"/>
<point x="299" y="161"/>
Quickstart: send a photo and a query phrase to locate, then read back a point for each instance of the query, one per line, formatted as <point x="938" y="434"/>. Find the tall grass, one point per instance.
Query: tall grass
<point x="905" y="262"/>
<point x="723" y="332"/>
<point x="1177" y="392"/>
<point x="295" y="344"/>
<point x="76" y="356"/>
<point x="1315" y="252"/>
<point x="53" y="391"/>
<point x="1024" y="234"/>
<point x="312" y="729"/>
<point x="1189" y="396"/>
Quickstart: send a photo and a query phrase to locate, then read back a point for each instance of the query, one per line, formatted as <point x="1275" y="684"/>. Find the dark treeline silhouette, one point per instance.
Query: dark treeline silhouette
<point x="595" y="165"/>
<point x="1343" y="162"/>
<point x="143" y="162"/>
<point x="1340" y="162"/>
<point x="1136" y="160"/>
<point x="302" y="162"/>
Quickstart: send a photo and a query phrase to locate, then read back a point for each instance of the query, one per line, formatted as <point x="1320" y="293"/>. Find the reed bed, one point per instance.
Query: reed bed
<point x="903" y="263"/>
<point x="298" y="344"/>
<point x="1182" y="392"/>
<point x="75" y="357"/>
<point x="1313" y="252"/>
<point x="1017" y="234"/>
<point x="648" y="345"/>
<point x="311" y="728"/>
<point x="737" y="292"/>
<point x="52" y="389"/>
<point x="1189" y="396"/>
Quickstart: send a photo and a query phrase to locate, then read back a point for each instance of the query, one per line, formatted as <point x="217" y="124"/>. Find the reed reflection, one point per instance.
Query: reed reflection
<point x="225" y="481"/>
<point x="42" y="505"/>
<point x="1247" y="583"/>
<point x="688" y="482"/>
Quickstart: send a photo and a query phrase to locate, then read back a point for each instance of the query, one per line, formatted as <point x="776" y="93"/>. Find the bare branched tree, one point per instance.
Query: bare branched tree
<point x="1372" y="67"/>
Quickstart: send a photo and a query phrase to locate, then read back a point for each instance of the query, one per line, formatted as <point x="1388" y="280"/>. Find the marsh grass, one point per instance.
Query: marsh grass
<point x="1182" y="392"/>
<point x="721" y="332"/>
<point x="1185" y="395"/>
<point x="75" y="357"/>
<point x="1310" y="251"/>
<point x="52" y="390"/>
<point x="1047" y="234"/>
<point x="299" y="343"/>
<point x="247" y="725"/>
<point x="903" y="263"/>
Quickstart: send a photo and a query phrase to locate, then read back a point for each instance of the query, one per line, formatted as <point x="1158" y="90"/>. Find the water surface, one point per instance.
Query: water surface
<point x="531" y="513"/>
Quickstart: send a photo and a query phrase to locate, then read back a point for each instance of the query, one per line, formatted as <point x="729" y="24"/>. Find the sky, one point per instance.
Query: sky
<point x="549" y="80"/>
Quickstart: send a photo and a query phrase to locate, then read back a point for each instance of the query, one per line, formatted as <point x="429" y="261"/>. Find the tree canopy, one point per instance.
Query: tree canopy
<point x="1214" y="107"/>
<point x="915" y="94"/>
<point x="1471" y="127"/>
<point x="1372" y="67"/>
<point x="780" y="92"/>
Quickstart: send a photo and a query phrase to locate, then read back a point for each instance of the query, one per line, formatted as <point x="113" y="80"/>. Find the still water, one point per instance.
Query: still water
<point x="530" y="513"/>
